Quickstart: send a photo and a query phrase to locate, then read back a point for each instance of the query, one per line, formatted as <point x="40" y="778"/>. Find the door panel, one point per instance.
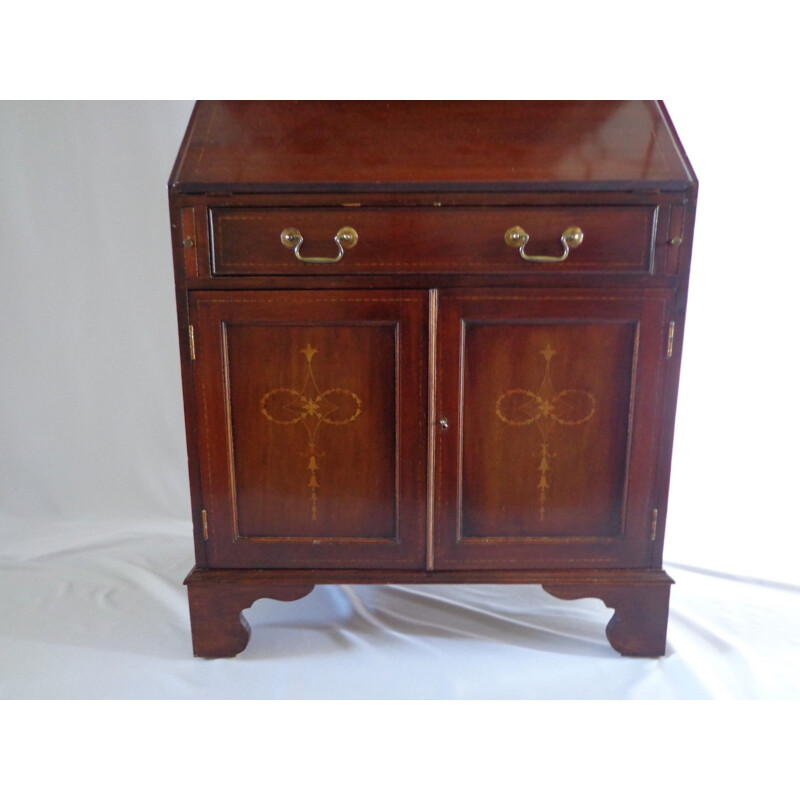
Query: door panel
<point x="549" y="460"/>
<point x="313" y="410"/>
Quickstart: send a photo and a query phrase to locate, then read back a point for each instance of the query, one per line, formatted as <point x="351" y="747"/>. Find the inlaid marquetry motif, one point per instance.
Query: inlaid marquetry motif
<point x="550" y="409"/>
<point x="312" y="408"/>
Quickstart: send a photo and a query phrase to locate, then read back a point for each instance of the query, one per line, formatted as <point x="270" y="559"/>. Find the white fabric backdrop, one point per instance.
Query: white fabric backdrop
<point x="95" y="538"/>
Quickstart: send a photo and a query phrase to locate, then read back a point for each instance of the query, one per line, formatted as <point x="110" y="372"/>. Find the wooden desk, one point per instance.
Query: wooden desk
<point x="430" y="342"/>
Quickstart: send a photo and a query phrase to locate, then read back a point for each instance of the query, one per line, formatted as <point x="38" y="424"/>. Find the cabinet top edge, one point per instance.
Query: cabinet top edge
<point x="493" y="188"/>
<point x="242" y="147"/>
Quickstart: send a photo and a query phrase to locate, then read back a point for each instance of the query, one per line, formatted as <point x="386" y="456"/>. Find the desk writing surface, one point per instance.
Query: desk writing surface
<point x="430" y="146"/>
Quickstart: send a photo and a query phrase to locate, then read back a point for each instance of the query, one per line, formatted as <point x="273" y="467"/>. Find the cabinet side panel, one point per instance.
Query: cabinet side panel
<point x="177" y="212"/>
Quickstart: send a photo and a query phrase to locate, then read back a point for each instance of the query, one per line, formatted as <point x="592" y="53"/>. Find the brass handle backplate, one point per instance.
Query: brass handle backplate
<point x="345" y="239"/>
<point x="571" y="238"/>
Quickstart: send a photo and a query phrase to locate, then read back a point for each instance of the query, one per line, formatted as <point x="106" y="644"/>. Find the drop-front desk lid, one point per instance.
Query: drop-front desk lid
<point x="438" y="146"/>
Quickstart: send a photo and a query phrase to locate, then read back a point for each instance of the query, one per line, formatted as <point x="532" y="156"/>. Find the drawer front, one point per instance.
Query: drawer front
<point x="247" y="241"/>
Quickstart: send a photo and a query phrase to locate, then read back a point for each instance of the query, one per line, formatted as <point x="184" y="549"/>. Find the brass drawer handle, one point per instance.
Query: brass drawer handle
<point x="345" y="238"/>
<point x="517" y="237"/>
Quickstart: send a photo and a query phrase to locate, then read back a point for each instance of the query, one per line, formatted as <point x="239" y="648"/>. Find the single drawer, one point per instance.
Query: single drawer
<point x="251" y="241"/>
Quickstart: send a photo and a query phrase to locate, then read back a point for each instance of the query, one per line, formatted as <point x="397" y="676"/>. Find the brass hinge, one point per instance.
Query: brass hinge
<point x="654" y="525"/>
<point x="192" y="353"/>
<point x="205" y="524"/>
<point x="670" y="338"/>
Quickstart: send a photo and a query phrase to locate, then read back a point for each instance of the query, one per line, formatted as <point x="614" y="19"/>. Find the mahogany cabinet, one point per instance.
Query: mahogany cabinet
<point x="430" y="342"/>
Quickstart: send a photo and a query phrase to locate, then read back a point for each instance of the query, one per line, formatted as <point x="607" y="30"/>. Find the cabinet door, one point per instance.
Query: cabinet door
<point x="552" y="407"/>
<point x="312" y="410"/>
